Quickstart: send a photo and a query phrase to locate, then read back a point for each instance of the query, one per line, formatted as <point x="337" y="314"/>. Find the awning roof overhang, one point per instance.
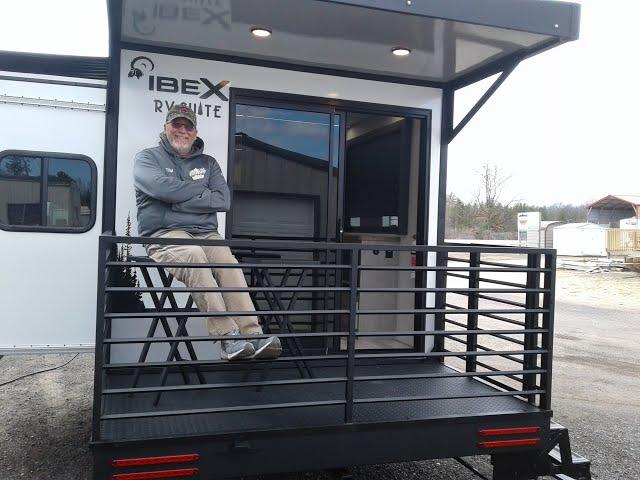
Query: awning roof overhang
<point x="452" y="42"/>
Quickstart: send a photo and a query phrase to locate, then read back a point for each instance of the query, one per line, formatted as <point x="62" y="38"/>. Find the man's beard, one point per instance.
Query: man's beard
<point x="182" y="146"/>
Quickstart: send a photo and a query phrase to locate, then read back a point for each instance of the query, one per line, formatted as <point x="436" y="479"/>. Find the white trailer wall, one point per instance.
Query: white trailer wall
<point x="48" y="280"/>
<point x="142" y="113"/>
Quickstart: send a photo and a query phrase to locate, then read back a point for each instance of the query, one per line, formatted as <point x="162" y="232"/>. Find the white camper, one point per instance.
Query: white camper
<point x="330" y="120"/>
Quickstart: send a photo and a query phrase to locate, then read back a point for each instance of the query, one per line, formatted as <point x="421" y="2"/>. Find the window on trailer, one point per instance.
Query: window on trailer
<point x="47" y="192"/>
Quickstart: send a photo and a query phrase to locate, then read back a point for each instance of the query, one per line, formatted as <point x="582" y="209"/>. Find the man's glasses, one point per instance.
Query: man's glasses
<point x="187" y="126"/>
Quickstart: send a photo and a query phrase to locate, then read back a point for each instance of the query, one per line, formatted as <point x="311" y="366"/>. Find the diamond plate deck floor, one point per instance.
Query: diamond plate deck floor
<point x="227" y="422"/>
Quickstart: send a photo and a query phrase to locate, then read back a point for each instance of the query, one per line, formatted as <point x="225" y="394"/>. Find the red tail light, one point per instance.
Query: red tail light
<point x="136" y="462"/>
<point x="494" y="432"/>
<point x="181" y="473"/>
<point x="523" y="442"/>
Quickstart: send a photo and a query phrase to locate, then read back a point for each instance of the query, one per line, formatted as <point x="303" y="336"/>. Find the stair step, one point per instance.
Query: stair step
<point x="556" y="426"/>
<point x="575" y="458"/>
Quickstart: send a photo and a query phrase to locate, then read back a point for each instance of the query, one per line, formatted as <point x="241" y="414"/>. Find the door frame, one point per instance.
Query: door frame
<point x="336" y="106"/>
<point x="340" y="106"/>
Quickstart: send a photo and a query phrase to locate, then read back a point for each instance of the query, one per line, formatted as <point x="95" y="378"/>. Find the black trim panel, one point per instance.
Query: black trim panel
<point x="111" y="119"/>
<point x="48" y="81"/>
<point x="60" y="65"/>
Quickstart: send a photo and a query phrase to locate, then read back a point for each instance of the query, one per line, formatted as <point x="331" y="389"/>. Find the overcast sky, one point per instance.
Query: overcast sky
<point x="564" y="124"/>
<point x="563" y="127"/>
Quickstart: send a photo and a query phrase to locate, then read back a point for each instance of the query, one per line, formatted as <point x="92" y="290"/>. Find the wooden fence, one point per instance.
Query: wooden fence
<point x="623" y="240"/>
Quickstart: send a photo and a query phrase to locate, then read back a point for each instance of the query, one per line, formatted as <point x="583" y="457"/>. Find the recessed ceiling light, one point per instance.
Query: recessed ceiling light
<point x="333" y="94"/>
<point x="401" y="51"/>
<point x="261" y="32"/>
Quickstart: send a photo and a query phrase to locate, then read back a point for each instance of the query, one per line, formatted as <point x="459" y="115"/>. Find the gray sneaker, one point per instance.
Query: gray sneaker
<point x="235" y="349"/>
<point x="266" y="348"/>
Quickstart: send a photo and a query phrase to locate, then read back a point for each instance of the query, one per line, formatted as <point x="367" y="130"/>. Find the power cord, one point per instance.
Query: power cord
<point x="40" y="371"/>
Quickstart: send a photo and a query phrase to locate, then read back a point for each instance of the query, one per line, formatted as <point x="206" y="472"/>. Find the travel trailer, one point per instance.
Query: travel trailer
<point x="331" y="121"/>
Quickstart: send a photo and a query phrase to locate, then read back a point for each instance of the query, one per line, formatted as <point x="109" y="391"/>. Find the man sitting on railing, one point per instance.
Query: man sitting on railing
<point x="179" y="191"/>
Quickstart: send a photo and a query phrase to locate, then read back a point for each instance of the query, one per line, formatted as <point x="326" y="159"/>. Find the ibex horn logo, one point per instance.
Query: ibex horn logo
<point x="138" y="63"/>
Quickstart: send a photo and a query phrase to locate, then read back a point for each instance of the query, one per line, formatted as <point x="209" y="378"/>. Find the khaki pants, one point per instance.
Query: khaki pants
<point x="210" y="278"/>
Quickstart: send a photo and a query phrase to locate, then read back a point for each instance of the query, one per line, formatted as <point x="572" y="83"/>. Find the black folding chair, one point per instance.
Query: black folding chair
<point x="159" y="301"/>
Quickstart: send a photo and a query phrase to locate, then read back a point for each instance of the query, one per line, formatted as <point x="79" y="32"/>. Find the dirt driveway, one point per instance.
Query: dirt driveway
<point x="45" y="419"/>
<point x="597" y="368"/>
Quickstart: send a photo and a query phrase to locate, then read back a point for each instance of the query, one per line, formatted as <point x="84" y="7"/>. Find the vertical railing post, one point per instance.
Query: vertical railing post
<point x="420" y="300"/>
<point x="531" y="322"/>
<point x="339" y="281"/>
<point x="548" y="324"/>
<point x="98" y="373"/>
<point x="110" y="280"/>
<point x="351" y="339"/>
<point x="441" y="301"/>
<point x="472" y="304"/>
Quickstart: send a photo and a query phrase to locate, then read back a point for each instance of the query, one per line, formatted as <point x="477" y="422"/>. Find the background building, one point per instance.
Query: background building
<point x="610" y="210"/>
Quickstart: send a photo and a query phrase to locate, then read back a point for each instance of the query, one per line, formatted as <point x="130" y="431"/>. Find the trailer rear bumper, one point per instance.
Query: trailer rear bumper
<point x="278" y="451"/>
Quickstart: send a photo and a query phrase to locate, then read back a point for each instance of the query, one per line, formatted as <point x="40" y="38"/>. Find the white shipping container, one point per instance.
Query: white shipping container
<point x="580" y="239"/>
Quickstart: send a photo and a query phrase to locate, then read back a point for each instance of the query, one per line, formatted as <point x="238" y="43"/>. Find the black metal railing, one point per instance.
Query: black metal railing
<point x="350" y="316"/>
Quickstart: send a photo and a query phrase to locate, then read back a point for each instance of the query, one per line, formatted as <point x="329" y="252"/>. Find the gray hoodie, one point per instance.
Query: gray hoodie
<point x="178" y="193"/>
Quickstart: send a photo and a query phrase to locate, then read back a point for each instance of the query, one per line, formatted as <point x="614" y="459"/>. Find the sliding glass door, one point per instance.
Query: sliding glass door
<point x="285" y="173"/>
<point x="319" y="173"/>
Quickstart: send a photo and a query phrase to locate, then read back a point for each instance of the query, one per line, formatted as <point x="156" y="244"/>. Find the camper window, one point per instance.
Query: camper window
<point x="42" y="191"/>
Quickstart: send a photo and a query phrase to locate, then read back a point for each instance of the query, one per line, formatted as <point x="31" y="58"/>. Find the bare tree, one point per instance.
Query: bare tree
<point x="492" y="181"/>
<point x="17" y="167"/>
<point x="490" y="216"/>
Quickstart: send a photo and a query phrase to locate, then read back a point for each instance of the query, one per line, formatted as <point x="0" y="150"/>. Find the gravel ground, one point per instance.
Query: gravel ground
<point x="45" y="419"/>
